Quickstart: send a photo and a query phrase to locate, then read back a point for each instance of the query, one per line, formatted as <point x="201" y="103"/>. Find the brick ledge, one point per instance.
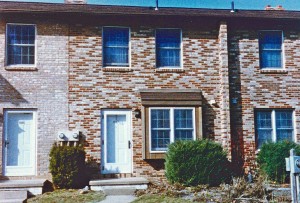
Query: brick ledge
<point x="170" y="70"/>
<point x="20" y="68"/>
<point x="117" y="70"/>
<point x="274" y="71"/>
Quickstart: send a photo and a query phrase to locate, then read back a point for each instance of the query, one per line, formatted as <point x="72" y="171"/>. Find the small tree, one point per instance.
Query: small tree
<point x="197" y="162"/>
<point x="271" y="159"/>
<point x="67" y="166"/>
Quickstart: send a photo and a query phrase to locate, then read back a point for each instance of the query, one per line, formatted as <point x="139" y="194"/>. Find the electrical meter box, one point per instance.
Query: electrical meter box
<point x="66" y="135"/>
<point x="295" y="164"/>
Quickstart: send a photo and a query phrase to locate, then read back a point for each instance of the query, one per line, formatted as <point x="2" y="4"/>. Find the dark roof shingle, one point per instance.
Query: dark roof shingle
<point x="30" y="7"/>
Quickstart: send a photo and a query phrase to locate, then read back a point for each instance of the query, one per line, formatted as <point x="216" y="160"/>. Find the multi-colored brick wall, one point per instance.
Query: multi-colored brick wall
<point x="253" y="87"/>
<point x="69" y="87"/>
<point x="93" y="88"/>
<point x="42" y="88"/>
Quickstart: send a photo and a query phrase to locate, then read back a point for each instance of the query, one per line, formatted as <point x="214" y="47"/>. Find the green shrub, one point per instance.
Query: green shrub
<point x="67" y="166"/>
<point x="271" y="159"/>
<point x="197" y="162"/>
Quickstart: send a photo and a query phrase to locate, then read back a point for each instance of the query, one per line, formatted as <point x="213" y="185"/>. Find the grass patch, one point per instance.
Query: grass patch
<point x="159" y="198"/>
<point x="68" y="196"/>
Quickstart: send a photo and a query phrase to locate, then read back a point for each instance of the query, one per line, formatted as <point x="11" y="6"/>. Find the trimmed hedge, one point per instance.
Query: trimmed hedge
<point x="67" y="166"/>
<point x="197" y="162"/>
<point x="271" y="159"/>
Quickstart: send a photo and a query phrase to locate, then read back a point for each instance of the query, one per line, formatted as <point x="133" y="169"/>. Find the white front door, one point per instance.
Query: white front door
<point x="116" y="141"/>
<point x="19" y="143"/>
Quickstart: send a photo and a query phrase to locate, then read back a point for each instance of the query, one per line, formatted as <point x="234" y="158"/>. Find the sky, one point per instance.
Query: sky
<point x="218" y="4"/>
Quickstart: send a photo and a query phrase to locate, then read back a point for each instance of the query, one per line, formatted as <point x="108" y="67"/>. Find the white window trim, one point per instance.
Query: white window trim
<point x="282" y="52"/>
<point x="129" y="48"/>
<point x="273" y="123"/>
<point x="180" y="55"/>
<point x="171" y="125"/>
<point x="35" y="46"/>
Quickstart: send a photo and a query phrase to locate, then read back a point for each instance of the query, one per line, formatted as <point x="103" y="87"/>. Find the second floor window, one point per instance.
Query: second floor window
<point x="116" y="46"/>
<point x="20" y="44"/>
<point x="168" y="48"/>
<point x="270" y="49"/>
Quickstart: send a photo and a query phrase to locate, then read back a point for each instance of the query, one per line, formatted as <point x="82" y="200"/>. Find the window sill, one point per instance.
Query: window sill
<point x="170" y="70"/>
<point x="116" y="69"/>
<point x="21" y="68"/>
<point x="272" y="71"/>
<point x="155" y="155"/>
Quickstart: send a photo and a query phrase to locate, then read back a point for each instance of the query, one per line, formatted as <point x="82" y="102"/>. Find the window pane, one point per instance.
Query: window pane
<point x="168" y="47"/>
<point x="21" y="41"/>
<point x="271" y="40"/>
<point x="160" y="129"/>
<point x="115" y="46"/>
<point x="116" y="56"/>
<point x="271" y="59"/>
<point x="168" y="38"/>
<point x="284" y="125"/>
<point x="270" y="49"/>
<point x="183" y="119"/>
<point x="263" y="127"/>
<point x="168" y="57"/>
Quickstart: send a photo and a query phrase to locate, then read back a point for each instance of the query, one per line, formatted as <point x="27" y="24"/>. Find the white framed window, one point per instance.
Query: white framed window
<point x="169" y="124"/>
<point x="168" y="47"/>
<point x="271" y="49"/>
<point x="20" y="44"/>
<point x="273" y="125"/>
<point x="116" y="46"/>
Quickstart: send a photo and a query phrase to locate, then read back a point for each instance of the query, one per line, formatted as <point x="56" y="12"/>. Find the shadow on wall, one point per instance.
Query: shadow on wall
<point x="237" y="140"/>
<point x="9" y="94"/>
<point x="208" y="120"/>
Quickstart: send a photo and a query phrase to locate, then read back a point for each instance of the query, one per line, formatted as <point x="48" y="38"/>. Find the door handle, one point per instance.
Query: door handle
<point x="129" y="144"/>
<point x="6" y="142"/>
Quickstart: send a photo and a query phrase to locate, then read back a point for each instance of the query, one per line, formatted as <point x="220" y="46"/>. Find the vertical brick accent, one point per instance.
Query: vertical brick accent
<point x="224" y="89"/>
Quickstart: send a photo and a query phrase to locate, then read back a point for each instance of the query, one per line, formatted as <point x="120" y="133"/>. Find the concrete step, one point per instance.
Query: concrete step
<point x="13" y="201"/>
<point x="119" y="186"/>
<point x="34" y="187"/>
<point x="13" y="195"/>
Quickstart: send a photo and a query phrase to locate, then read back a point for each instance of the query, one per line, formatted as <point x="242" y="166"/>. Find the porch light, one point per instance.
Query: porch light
<point x="137" y="113"/>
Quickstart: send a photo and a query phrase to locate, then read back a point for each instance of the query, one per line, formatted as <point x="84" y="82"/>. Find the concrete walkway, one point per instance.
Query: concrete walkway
<point x="119" y="199"/>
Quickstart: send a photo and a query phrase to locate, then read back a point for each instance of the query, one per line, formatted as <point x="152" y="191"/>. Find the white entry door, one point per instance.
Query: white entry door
<point x="19" y="143"/>
<point x="116" y="141"/>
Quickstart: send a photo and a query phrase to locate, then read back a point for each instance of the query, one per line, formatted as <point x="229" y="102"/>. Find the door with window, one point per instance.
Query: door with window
<point x="19" y="143"/>
<point x="116" y="141"/>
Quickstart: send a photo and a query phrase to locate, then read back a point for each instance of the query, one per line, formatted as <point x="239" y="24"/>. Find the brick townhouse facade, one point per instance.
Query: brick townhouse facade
<point x="134" y="79"/>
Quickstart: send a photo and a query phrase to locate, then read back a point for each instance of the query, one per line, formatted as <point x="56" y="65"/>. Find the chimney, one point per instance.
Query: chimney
<point x="280" y="8"/>
<point x="75" y="1"/>
<point x="277" y="8"/>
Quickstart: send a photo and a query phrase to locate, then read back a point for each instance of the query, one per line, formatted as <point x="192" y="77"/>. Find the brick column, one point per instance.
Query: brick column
<point x="224" y="89"/>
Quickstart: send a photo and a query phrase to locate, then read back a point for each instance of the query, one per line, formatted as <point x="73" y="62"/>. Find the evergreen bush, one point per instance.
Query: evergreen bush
<point x="271" y="159"/>
<point x="67" y="166"/>
<point x="197" y="162"/>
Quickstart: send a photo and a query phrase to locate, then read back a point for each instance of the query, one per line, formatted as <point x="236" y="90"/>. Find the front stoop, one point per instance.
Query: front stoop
<point x="13" y="196"/>
<point x="34" y="187"/>
<point x="120" y="186"/>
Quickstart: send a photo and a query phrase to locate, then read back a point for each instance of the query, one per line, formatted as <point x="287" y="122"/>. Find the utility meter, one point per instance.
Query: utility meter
<point x="295" y="164"/>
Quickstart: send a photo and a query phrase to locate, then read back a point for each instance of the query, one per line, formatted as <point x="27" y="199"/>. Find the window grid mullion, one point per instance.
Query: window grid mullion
<point x="172" y="125"/>
<point x="274" y="126"/>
